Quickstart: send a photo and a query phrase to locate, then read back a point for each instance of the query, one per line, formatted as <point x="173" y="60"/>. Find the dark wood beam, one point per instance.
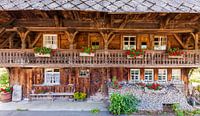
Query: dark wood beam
<point x="11" y="40"/>
<point x="2" y="30"/>
<point x="164" y="21"/>
<point x="36" y="40"/>
<point x="179" y="40"/>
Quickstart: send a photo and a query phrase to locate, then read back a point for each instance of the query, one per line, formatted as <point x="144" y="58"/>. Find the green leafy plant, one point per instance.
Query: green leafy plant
<point x="4" y="80"/>
<point x="198" y="88"/>
<point x="134" y="53"/>
<point x="79" y="95"/>
<point x="179" y="112"/>
<point x="95" y="111"/>
<point x="123" y="104"/>
<point x="174" y="52"/>
<point x="42" y="50"/>
<point x="4" y="84"/>
<point x="87" y="50"/>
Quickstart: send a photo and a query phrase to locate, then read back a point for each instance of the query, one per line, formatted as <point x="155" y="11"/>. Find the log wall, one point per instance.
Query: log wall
<point x="85" y="39"/>
<point x="30" y="78"/>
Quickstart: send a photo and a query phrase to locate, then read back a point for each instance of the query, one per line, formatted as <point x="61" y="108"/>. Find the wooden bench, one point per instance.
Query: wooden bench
<point x="66" y="91"/>
<point x="51" y="96"/>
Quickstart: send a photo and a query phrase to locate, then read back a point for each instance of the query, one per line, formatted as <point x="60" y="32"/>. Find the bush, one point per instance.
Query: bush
<point x="123" y="104"/>
<point x="95" y="111"/>
<point x="79" y="96"/>
<point x="198" y="88"/>
<point x="179" y="112"/>
<point x="4" y="80"/>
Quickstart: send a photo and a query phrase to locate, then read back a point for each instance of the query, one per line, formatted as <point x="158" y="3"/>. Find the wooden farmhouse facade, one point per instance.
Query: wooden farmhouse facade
<point x="111" y="32"/>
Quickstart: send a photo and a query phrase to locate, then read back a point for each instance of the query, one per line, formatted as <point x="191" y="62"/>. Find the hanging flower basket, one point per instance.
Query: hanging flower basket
<point x="180" y="56"/>
<point x="87" y="51"/>
<point x="42" y="52"/>
<point x="42" y="55"/>
<point x="135" y="53"/>
<point x="139" y="57"/>
<point x="175" y="53"/>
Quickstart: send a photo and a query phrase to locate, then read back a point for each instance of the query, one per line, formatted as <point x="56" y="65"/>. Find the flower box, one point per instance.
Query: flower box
<point x="139" y="57"/>
<point x="86" y="54"/>
<point x="179" y="56"/>
<point x="42" y="55"/>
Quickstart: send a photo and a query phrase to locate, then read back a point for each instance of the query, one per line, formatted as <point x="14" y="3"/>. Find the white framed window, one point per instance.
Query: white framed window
<point x="129" y="42"/>
<point x="148" y="75"/>
<point x="52" y="76"/>
<point x="134" y="75"/>
<point x="144" y="45"/>
<point x="162" y="75"/>
<point x="160" y="42"/>
<point x="84" y="73"/>
<point x="50" y="41"/>
<point x="176" y="75"/>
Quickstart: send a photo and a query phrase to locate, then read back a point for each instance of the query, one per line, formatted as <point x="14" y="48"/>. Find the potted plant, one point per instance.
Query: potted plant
<point x="42" y="52"/>
<point x="79" y="96"/>
<point x="175" y="53"/>
<point x="5" y="89"/>
<point x="135" y="53"/>
<point x="87" y="51"/>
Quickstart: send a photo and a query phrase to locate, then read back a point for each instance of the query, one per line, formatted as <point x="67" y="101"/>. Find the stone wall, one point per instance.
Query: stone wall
<point x="153" y="100"/>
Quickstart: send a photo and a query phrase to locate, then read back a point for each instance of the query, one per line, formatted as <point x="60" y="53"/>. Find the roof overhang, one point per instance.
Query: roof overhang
<point x="111" y="6"/>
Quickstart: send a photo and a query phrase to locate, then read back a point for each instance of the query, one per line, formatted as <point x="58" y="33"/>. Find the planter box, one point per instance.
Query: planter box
<point x="5" y="97"/>
<point x="181" y="56"/>
<point x="86" y="54"/>
<point x="139" y="57"/>
<point x="42" y="55"/>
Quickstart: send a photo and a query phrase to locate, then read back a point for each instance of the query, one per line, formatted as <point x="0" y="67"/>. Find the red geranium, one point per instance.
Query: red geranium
<point x="134" y="53"/>
<point x="6" y="90"/>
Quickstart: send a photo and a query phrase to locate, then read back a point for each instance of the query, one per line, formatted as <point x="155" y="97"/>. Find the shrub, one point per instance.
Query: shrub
<point x="179" y="112"/>
<point x="198" y="88"/>
<point x="79" y="96"/>
<point x="123" y="104"/>
<point x="4" y="80"/>
<point x="95" y="111"/>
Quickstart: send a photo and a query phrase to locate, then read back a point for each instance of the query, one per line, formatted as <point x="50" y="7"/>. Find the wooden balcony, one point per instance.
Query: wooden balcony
<point x="102" y="58"/>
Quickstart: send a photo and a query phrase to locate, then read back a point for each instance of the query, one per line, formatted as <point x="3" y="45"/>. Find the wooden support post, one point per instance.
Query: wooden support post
<point x="196" y="42"/>
<point x="23" y="32"/>
<point x="71" y="36"/>
<point x="151" y="46"/>
<point x="106" y="36"/>
<point x="11" y="40"/>
<point x="169" y="74"/>
<point x="156" y="74"/>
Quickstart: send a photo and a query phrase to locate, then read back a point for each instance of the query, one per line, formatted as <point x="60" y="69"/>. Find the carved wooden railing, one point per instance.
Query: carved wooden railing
<point x="109" y="58"/>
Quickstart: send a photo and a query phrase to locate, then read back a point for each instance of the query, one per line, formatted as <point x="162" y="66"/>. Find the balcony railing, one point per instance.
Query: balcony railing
<point x="102" y="58"/>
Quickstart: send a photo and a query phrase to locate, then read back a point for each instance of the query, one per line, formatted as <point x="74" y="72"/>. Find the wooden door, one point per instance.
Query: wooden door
<point x="95" y="81"/>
